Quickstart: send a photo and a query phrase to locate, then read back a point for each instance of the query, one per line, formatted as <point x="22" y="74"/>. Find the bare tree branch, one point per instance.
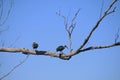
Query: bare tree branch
<point x="14" y="41"/>
<point x="8" y="13"/>
<point x="23" y="61"/>
<point x="101" y="8"/>
<point x="4" y="29"/>
<point x="52" y="54"/>
<point x="69" y="28"/>
<point x="65" y="19"/>
<point x="2" y="43"/>
<point x="1" y="9"/>
<point x="117" y="35"/>
<point x="100" y="47"/>
<point x="107" y="12"/>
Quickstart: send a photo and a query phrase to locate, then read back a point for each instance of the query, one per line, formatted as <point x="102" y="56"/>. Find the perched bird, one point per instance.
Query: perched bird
<point x="35" y="45"/>
<point x="61" y="48"/>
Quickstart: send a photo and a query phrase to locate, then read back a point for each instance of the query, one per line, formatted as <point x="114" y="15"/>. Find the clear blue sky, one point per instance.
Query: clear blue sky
<point x="36" y="20"/>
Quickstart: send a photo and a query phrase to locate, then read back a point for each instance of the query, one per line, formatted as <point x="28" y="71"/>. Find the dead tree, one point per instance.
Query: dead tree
<point x="69" y="29"/>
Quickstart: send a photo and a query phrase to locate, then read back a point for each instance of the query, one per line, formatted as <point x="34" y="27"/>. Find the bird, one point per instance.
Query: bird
<point x="35" y="45"/>
<point x="61" y="48"/>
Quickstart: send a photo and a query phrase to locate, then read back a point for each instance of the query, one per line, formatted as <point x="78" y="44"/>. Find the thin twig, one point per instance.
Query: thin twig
<point x="14" y="41"/>
<point x="8" y="13"/>
<point x="117" y="35"/>
<point x="1" y="9"/>
<point x="2" y="43"/>
<point x="101" y="8"/>
<point x="72" y="25"/>
<point x="15" y="67"/>
<point x="4" y="29"/>
<point x="69" y="28"/>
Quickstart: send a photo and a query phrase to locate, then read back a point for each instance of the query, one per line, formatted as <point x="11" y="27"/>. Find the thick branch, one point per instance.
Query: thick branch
<point x="70" y="54"/>
<point x="13" y="50"/>
<point x="52" y="54"/>
<point x="33" y="52"/>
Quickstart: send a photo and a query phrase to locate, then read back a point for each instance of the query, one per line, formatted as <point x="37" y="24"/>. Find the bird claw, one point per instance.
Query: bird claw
<point x="60" y="55"/>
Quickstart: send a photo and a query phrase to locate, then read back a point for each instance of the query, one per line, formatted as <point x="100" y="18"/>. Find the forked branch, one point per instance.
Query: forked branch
<point x="107" y="12"/>
<point x="69" y="27"/>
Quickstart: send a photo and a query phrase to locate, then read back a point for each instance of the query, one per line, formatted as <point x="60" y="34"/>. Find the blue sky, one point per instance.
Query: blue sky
<point x="36" y="20"/>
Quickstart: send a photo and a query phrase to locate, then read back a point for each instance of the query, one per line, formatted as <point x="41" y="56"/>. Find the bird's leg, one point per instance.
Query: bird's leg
<point x="34" y="49"/>
<point x="60" y="55"/>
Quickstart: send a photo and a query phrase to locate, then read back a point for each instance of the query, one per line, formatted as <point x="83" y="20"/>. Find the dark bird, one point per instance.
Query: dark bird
<point x="61" y="48"/>
<point x="35" y="45"/>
